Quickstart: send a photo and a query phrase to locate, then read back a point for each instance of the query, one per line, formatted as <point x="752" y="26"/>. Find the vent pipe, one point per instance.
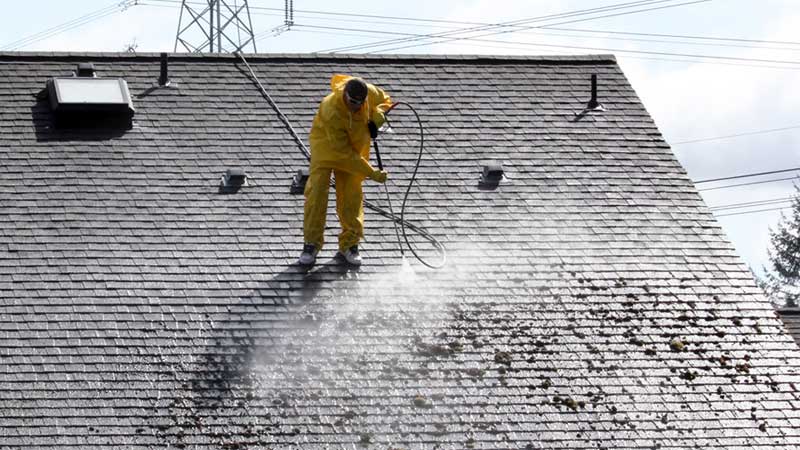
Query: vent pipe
<point x="593" y="104"/>
<point x="163" y="79"/>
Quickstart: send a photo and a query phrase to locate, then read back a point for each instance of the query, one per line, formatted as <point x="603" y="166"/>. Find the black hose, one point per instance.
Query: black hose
<point x="403" y="224"/>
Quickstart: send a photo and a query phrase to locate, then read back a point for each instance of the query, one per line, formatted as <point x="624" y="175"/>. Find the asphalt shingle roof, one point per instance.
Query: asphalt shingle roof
<point x="590" y="301"/>
<point x="791" y="319"/>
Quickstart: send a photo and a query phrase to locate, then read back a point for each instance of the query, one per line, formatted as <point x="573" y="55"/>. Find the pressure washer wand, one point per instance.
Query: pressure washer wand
<point x="388" y="198"/>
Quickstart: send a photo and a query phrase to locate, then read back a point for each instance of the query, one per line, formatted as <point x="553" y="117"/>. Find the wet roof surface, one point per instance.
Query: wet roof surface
<point x="589" y="301"/>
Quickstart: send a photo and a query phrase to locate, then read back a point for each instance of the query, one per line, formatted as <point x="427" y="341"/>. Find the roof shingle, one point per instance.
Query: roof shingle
<point x="590" y="301"/>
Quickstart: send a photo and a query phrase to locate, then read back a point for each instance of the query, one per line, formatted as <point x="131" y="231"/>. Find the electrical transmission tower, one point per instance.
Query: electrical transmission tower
<point x="217" y="28"/>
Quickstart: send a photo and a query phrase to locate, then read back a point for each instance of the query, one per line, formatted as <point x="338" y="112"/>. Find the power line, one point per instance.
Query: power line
<point x="751" y="212"/>
<point x="351" y="32"/>
<point x="545" y="31"/>
<point x="495" y="26"/>
<point x="752" y="204"/>
<point x="749" y="133"/>
<point x="678" y="36"/>
<point x="747" y="175"/>
<point x="746" y="184"/>
<point x="339" y="31"/>
<point x="334" y="13"/>
<point x="427" y="22"/>
<point x="119" y="6"/>
<point x="717" y="63"/>
<point x="458" y="38"/>
<point x="534" y="44"/>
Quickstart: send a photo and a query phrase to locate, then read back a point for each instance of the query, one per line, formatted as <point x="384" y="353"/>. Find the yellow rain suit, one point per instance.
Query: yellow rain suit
<point x="340" y="143"/>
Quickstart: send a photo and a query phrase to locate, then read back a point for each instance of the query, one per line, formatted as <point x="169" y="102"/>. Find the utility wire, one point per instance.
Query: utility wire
<point x="678" y="36"/>
<point x="533" y="44"/>
<point x="510" y="24"/>
<point x="749" y="133"/>
<point x="546" y="32"/>
<point x="746" y="184"/>
<point x="451" y="24"/>
<point x="406" y="36"/>
<point x="492" y="33"/>
<point x="119" y="6"/>
<point x="351" y="32"/>
<point x="176" y="3"/>
<point x="339" y="31"/>
<point x="752" y="204"/>
<point x="751" y="212"/>
<point x="748" y="175"/>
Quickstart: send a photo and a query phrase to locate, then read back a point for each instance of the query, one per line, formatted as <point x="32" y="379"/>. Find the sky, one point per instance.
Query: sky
<point x="705" y="69"/>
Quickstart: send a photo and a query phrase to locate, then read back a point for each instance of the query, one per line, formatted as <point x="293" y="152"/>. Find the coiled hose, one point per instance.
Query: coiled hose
<point x="403" y="224"/>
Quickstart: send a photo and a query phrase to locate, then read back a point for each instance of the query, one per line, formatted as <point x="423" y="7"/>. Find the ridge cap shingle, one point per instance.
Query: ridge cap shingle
<point x="316" y="57"/>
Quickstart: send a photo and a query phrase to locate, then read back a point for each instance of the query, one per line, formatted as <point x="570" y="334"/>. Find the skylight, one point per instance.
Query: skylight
<point x="86" y="100"/>
<point x="79" y="94"/>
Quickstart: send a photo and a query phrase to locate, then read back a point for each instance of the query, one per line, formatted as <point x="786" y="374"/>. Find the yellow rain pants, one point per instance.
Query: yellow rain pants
<point x="340" y="143"/>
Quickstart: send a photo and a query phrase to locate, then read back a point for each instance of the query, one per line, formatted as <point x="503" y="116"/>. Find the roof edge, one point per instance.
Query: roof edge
<point x="315" y="57"/>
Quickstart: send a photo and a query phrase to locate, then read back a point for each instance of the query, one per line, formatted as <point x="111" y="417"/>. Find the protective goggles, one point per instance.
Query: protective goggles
<point x="354" y="101"/>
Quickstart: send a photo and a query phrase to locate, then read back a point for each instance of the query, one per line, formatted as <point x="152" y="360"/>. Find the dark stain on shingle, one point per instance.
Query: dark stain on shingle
<point x="504" y="358"/>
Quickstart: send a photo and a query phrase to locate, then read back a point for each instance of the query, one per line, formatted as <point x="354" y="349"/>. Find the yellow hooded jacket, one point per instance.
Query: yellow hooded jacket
<point x="340" y="144"/>
<point x="340" y="139"/>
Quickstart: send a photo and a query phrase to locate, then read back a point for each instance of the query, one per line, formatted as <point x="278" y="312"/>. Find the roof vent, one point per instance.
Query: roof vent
<point x="299" y="181"/>
<point x="86" y="70"/>
<point x="593" y="104"/>
<point x="233" y="180"/>
<point x="163" y="78"/>
<point x="492" y="175"/>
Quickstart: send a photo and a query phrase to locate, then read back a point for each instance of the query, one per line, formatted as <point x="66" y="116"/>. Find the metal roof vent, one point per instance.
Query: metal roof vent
<point x="593" y="104"/>
<point x="299" y="182"/>
<point x="86" y="100"/>
<point x="163" y="77"/>
<point x="233" y="180"/>
<point x="86" y="70"/>
<point x="492" y="175"/>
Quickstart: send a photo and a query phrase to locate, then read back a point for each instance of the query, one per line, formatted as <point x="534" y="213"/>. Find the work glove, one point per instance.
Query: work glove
<point x="373" y="129"/>
<point x="379" y="176"/>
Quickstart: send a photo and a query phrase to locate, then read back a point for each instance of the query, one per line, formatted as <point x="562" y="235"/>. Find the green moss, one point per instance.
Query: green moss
<point x="475" y="373"/>
<point x="503" y="358"/>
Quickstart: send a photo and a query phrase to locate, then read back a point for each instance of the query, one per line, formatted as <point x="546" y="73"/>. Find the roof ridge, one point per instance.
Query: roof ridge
<point x="316" y="57"/>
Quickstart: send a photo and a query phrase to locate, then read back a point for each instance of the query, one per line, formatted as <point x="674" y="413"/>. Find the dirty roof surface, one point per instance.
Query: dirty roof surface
<point x="791" y="319"/>
<point x="589" y="301"/>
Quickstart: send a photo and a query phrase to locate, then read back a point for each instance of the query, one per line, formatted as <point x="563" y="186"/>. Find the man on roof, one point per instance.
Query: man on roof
<point x="340" y="138"/>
